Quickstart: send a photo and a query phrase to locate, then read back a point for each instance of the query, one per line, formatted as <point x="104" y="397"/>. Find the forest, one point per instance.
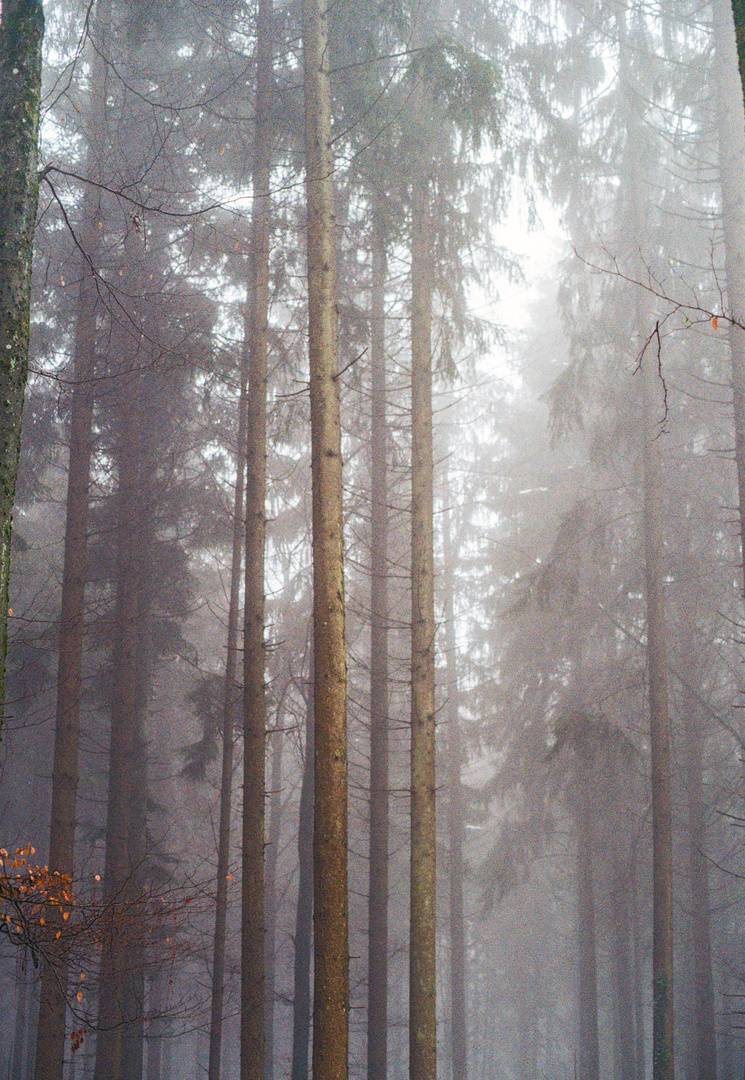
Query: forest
<point x="372" y="519"/>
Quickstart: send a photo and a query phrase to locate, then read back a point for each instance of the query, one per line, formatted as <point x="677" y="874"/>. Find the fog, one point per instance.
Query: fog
<point x="450" y="305"/>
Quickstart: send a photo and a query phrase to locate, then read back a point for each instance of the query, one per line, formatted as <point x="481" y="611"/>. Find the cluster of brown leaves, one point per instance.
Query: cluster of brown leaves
<point x="35" y="902"/>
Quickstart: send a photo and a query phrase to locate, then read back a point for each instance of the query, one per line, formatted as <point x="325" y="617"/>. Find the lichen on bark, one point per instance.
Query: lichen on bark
<point x="21" y="36"/>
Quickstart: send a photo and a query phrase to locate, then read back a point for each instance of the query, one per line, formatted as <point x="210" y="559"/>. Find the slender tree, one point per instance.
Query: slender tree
<point x="703" y="984"/>
<point x="731" y="136"/>
<point x="589" y="1051"/>
<point x="652" y="406"/>
<point x="330" y="916"/>
<point x="422" y="977"/>
<point x="459" y="1047"/>
<point x="254" y="700"/>
<point x="231" y="699"/>
<point x="301" y="1000"/>
<point x="52" y="1007"/>
<point x="272" y="858"/>
<point x="377" y="1010"/>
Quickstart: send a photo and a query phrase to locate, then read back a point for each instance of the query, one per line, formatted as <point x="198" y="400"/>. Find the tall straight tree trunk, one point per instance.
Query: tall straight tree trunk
<point x="304" y="911"/>
<point x="52" y="1009"/>
<point x="254" y="694"/>
<point x="330" y="914"/>
<point x="377" y="956"/>
<point x="112" y="1015"/>
<point x="662" y="844"/>
<point x="422" y="968"/>
<point x="638" y="958"/>
<point x="623" y="981"/>
<point x="731" y="135"/>
<point x="272" y="857"/>
<point x="652" y="407"/>
<point x="703" y="983"/>
<point x="455" y="820"/>
<point x="21" y="35"/>
<point x="588" y="1049"/>
<point x="230" y="708"/>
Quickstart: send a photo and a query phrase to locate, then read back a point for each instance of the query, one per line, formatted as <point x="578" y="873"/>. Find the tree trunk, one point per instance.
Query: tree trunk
<point x="652" y="408"/>
<point x="588" y="1048"/>
<point x="662" y="846"/>
<point x="331" y="960"/>
<point x="422" y="974"/>
<point x="230" y="708"/>
<point x="455" y="821"/>
<point x="254" y="695"/>
<point x="377" y="989"/>
<point x="124" y="738"/>
<point x="662" y="862"/>
<point x="272" y="856"/>
<point x="731" y="134"/>
<point x="16" y="1070"/>
<point x="623" y="981"/>
<point x="638" y="956"/>
<point x="738" y="12"/>
<point x="304" y="911"/>
<point x="703" y="983"/>
<point x="21" y="35"/>
<point x="52" y="1010"/>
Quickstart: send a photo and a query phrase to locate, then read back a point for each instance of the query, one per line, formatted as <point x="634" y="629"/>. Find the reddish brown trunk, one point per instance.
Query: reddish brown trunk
<point x="331" y="974"/>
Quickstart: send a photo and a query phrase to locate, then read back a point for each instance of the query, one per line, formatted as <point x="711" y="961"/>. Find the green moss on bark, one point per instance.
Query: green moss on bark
<point x="21" y="35"/>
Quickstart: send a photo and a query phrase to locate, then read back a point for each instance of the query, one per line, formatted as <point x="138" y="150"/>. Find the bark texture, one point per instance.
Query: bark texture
<point x="330" y="917"/>
<point x="21" y="35"/>
<point x="422" y="974"/>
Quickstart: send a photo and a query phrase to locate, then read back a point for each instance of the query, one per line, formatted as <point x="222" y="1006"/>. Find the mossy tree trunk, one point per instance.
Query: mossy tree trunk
<point x="21" y="35"/>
